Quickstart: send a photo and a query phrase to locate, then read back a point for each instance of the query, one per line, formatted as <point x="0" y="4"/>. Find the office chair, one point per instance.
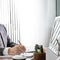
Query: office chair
<point x="52" y="50"/>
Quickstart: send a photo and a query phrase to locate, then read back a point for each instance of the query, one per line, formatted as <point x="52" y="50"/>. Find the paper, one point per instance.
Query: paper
<point x="23" y="56"/>
<point x="19" y="57"/>
<point x="28" y="55"/>
<point x="6" y="56"/>
<point x="30" y="49"/>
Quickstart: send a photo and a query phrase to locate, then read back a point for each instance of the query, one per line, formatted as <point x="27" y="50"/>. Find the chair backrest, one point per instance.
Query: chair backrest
<point x="55" y="34"/>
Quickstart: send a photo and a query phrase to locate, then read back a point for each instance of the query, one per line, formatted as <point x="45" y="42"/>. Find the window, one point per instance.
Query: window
<point x="9" y="19"/>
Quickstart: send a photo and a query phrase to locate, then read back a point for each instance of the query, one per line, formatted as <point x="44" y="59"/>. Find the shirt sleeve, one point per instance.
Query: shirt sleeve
<point x="5" y="52"/>
<point x="10" y="43"/>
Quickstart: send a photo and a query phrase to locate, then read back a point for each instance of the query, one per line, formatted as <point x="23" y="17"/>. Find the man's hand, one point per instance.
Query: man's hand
<point x="16" y="50"/>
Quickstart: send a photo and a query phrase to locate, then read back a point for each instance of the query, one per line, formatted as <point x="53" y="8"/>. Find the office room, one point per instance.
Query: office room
<point x="29" y="29"/>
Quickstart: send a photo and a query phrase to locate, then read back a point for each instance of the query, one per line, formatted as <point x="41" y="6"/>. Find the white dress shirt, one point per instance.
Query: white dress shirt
<point x="5" y="52"/>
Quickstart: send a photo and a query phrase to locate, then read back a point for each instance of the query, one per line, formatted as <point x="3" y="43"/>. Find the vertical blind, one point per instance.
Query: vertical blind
<point x="13" y="25"/>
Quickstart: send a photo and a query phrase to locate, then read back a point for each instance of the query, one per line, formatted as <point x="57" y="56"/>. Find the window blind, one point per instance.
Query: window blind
<point x="13" y="26"/>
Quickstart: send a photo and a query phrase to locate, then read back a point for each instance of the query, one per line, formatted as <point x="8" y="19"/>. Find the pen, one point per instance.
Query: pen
<point x="29" y="51"/>
<point x="19" y="41"/>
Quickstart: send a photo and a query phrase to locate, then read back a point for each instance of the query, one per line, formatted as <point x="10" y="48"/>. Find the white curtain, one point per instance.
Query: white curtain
<point x="9" y="19"/>
<point x="4" y="12"/>
<point x="13" y="25"/>
<point x="26" y="20"/>
<point x="33" y="23"/>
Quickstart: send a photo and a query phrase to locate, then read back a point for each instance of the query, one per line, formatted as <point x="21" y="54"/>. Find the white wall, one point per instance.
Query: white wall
<point x="51" y="14"/>
<point x="51" y="11"/>
<point x="35" y="17"/>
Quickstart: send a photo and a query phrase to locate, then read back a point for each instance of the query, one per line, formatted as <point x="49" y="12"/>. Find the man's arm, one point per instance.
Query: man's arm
<point x="13" y="48"/>
<point x="9" y="43"/>
<point x="4" y="51"/>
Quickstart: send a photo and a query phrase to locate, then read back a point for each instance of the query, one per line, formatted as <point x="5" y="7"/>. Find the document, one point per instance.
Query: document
<point x="24" y="55"/>
<point x="8" y="56"/>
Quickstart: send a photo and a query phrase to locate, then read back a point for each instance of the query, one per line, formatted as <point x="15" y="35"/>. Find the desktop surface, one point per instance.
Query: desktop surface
<point x="6" y="58"/>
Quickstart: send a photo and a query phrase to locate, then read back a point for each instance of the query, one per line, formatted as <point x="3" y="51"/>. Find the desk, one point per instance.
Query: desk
<point x="11" y="59"/>
<point x="5" y="58"/>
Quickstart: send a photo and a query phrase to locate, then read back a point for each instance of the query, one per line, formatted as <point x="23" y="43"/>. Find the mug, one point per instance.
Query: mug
<point x="41" y="56"/>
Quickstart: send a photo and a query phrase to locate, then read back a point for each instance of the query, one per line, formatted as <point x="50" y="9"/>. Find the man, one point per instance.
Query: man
<point x="7" y="47"/>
